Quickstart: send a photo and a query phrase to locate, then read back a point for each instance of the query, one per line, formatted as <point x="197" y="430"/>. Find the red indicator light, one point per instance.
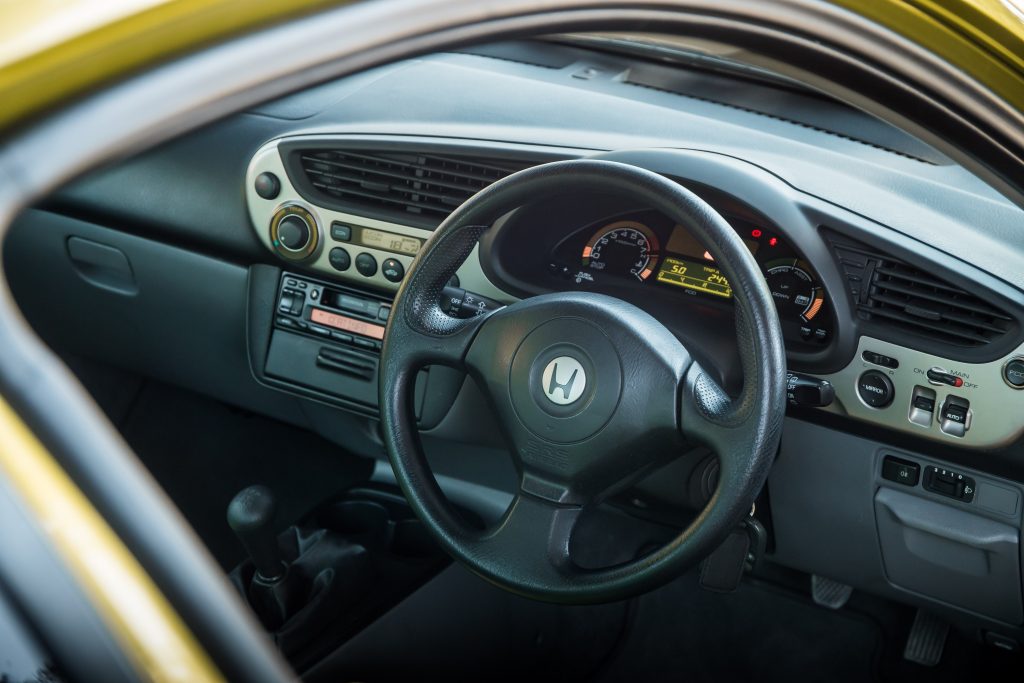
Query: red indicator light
<point x="755" y="233"/>
<point x="958" y="382"/>
<point x="773" y="241"/>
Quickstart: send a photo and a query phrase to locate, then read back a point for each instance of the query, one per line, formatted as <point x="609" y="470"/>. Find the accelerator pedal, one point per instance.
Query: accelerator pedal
<point x="927" y="639"/>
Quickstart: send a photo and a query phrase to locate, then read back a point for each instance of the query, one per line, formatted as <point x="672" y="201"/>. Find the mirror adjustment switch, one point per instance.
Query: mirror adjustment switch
<point x="875" y="389"/>
<point x="900" y="471"/>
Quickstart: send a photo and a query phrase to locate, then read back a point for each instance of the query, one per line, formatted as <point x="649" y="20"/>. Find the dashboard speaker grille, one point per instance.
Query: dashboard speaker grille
<point x="901" y="296"/>
<point x="427" y="185"/>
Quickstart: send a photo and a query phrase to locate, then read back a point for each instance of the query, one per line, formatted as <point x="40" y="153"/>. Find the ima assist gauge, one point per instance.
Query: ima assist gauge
<point x="795" y="292"/>
<point x="623" y="248"/>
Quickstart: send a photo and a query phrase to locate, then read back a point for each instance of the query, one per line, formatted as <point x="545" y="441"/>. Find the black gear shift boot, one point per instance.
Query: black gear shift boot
<point x="325" y="575"/>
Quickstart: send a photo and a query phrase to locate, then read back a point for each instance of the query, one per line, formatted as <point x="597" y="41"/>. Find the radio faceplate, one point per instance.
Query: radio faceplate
<point x="328" y="311"/>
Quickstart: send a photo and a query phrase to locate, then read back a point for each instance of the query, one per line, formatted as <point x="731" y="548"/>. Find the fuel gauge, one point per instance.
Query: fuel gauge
<point x="797" y="294"/>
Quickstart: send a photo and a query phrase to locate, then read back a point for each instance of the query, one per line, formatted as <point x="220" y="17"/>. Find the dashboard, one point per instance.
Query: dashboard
<point x="256" y="261"/>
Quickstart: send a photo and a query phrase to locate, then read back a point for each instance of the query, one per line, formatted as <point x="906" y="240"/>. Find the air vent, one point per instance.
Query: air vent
<point x="899" y="296"/>
<point x="427" y="185"/>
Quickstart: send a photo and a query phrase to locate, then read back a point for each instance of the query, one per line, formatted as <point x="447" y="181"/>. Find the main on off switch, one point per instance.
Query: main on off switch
<point x="875" y="389"/>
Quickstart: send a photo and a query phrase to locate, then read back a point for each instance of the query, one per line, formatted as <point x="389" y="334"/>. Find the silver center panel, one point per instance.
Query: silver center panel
<point x="996" y="415"/>
<point x="268" y="159"/>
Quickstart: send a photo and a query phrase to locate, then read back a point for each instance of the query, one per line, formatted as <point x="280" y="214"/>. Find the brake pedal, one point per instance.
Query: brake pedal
<point x="829" y="593"/>
<point x="927" y="639"/>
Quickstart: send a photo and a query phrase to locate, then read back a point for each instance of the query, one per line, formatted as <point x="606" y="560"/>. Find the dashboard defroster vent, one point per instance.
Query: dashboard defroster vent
<point x="428" y="185"/>
<point x="904" y="297"/>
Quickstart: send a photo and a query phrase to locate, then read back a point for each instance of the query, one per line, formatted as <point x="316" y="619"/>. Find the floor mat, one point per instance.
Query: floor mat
<point x="759" y="633"/>
<point x="203" y="452"/>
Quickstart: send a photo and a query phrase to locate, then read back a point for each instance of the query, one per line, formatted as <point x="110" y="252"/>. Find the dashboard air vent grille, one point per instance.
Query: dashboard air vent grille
<point x="429" y="185"/>
<point x="904" y="297"/>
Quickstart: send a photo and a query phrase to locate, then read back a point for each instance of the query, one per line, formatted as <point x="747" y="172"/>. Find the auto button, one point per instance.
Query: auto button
<point x="955" y="418"/>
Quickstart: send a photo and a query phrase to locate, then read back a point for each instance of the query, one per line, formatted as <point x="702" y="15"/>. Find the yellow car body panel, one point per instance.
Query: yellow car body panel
<point x="53" y="51"/>
<point x="148" y="630"/>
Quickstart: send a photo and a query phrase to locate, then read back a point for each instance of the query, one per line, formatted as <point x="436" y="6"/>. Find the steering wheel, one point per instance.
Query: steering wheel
<point x="588" y="390"/>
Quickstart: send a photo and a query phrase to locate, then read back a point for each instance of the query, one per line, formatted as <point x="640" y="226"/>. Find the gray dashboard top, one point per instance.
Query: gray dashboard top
<point x="489" y="99"/>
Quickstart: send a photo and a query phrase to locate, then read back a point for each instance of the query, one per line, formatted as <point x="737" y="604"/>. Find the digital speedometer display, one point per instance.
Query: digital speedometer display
<point x="697" y="276"/>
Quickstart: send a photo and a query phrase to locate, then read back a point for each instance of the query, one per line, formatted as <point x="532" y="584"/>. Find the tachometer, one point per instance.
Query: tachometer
<point x="624" y="248"/>
<point x="796" y="293"/>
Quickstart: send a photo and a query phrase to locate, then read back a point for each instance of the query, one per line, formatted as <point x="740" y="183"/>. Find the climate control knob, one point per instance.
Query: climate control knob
<point x="294" y="233"/>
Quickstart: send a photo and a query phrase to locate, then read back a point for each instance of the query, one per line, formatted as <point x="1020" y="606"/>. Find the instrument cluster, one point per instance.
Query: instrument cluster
<point x="646" y="249"/>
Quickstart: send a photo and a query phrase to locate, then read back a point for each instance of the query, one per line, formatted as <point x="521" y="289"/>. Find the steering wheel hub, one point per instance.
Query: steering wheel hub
<point x="575" y="400"/>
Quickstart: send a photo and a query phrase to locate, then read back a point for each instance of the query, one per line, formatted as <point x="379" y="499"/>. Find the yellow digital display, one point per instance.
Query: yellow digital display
<point x="389" y="241"/>
<point x="696" y="276"/>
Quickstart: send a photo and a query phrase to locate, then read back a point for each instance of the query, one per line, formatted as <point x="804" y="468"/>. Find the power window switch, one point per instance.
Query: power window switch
<point x="901" y="471"/>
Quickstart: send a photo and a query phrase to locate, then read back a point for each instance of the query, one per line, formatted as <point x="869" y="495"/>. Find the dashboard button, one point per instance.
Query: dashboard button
<point x="341" y="337"/>
<point x="339" y="258"/>
<point x="366" y="265"/>
<point x="900" y="471"/>
<point x="392" y="269"/>
<point x="955" y="416"/>
<point x="341" y="232"/>
<point x="267" y="185"/>
<point x="875" y="389"/>
<point x="1013" y="373"/>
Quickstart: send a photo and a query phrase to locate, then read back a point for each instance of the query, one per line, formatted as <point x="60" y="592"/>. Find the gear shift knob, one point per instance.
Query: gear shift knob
<point x="251" y="516"/>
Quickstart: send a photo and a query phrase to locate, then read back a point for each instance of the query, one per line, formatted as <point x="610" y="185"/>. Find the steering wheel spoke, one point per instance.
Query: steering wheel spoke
<point x="532" y="540"/>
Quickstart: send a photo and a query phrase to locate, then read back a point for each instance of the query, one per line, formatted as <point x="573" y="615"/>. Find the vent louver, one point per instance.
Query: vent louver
<point x="901" y="296"/>
<point x="427" y="185"/>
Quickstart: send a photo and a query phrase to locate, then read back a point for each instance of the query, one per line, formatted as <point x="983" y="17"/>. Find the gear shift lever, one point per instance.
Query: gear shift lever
<point x="251" y="517"/>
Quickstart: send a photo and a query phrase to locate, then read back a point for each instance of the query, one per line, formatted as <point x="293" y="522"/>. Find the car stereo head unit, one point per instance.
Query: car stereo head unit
<point x="331" y="312"/>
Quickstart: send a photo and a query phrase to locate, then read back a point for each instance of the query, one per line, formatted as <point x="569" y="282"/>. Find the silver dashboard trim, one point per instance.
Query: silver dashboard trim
<point x="996" y="412"/>
<point x="268" y="159"/>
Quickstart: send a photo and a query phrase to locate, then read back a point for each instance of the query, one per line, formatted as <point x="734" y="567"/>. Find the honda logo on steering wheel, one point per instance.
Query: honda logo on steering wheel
<point x="564" y="380"/>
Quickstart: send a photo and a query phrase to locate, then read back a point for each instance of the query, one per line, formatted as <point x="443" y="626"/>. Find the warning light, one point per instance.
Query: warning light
<point x="773" y="241"/>
<point x="756" y="234"/>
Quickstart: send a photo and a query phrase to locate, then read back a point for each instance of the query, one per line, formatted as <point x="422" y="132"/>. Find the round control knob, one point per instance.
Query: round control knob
<point x="293" y="233"/>
<point x="1013" y="373"/>
<point x="875" y="389"/>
